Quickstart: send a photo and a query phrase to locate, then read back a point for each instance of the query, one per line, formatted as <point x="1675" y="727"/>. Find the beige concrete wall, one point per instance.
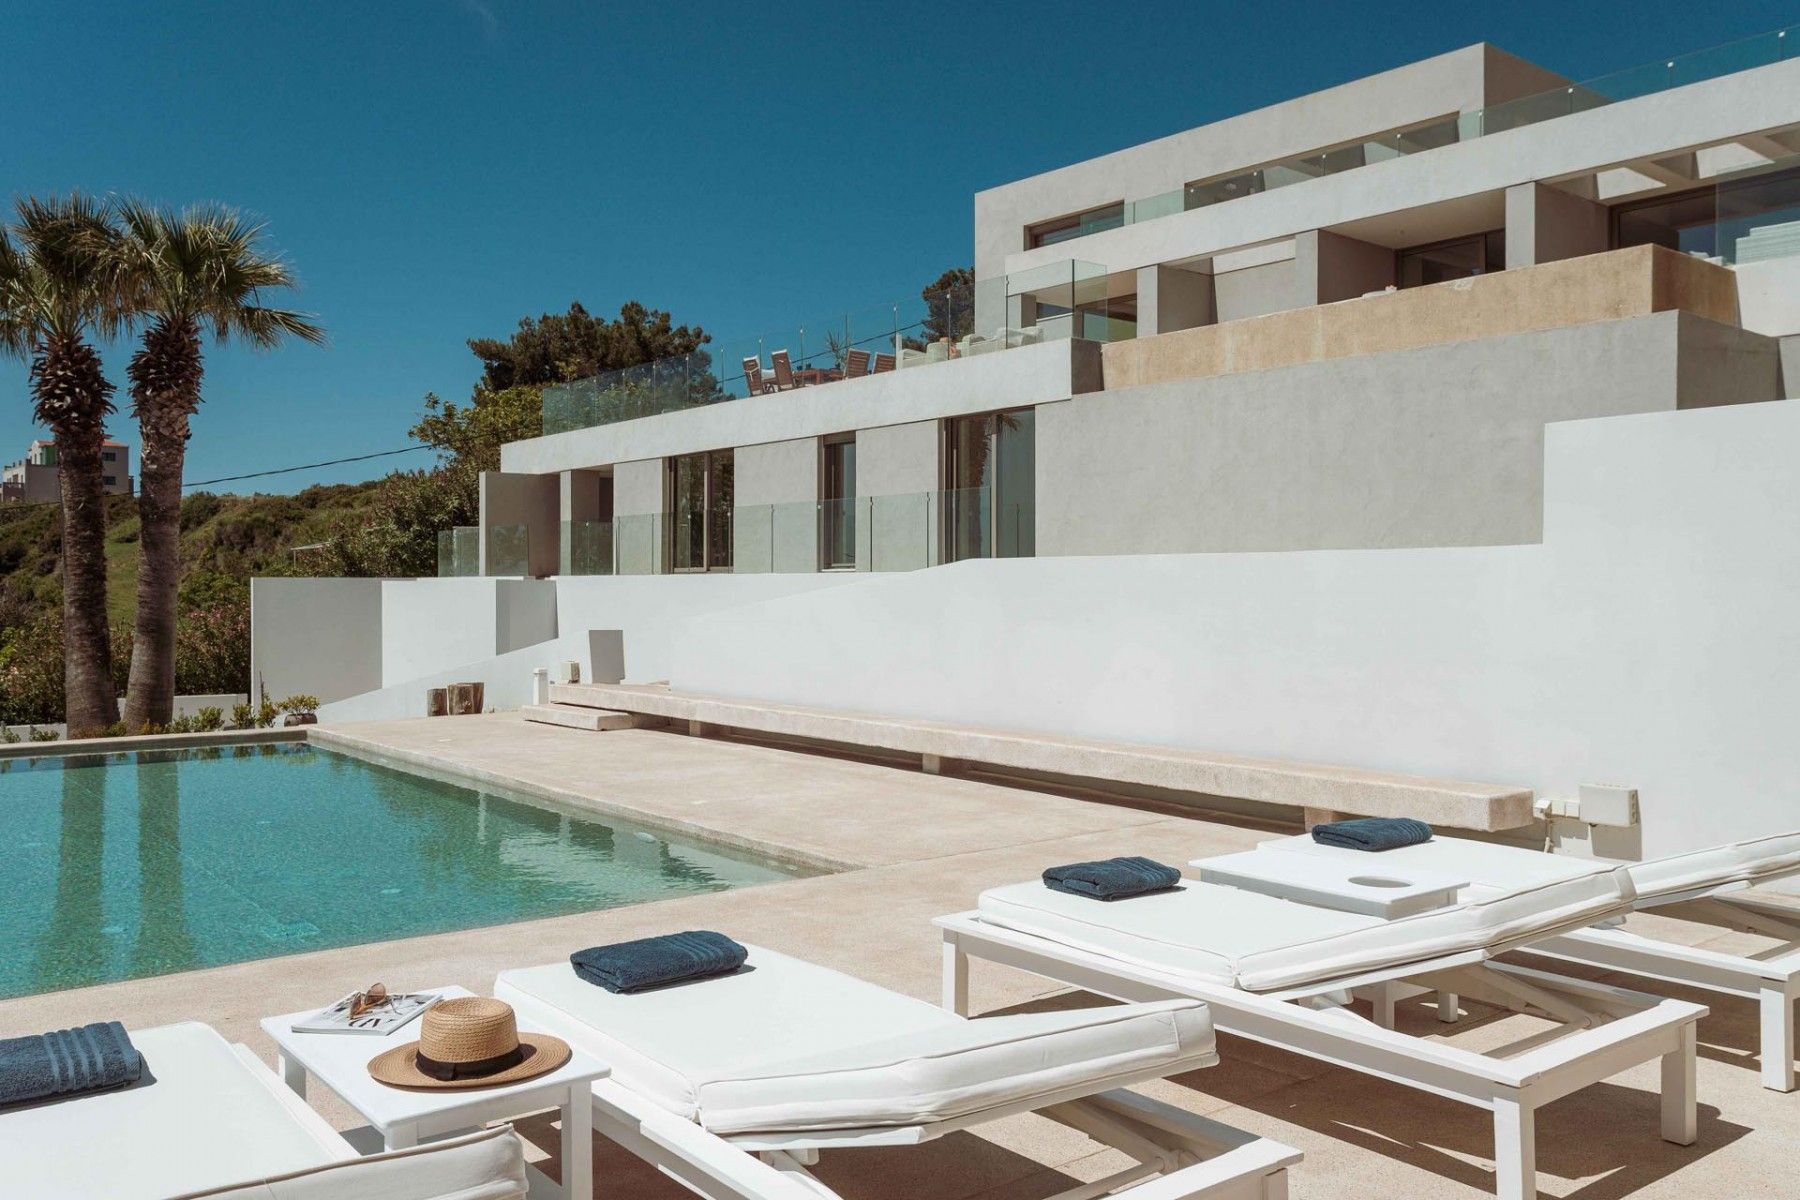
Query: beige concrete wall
<point x="1459" y="81"/>
<point x="896" y="475"/>
<point x="1545" y="224"/>
<point x="638" y="486"/>
<point x="1631" y="282"/>
<point x="316" y="637"/>
<point x="1257" y="291"/>
<point x="533" y="501"/>
<point x="1435" y="446"/>
<point x="1170" y="298"/>
<point x="775" y="524"/>
<point x="1329" y="267"/>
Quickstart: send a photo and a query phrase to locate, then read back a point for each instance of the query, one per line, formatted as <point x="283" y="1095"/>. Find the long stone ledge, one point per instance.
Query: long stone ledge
<point x="1306" y="786"/>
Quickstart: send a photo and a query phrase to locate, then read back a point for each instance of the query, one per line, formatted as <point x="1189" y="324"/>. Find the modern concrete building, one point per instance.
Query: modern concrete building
<point x="1341" y="321"/>
<point x="36" y="477"/>
<point x="1441" y="422"/>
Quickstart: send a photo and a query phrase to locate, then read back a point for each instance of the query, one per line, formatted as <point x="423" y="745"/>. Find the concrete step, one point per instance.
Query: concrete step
<point x="571" y="716"/>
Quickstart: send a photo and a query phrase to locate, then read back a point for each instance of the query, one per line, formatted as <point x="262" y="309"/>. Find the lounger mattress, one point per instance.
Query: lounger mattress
<point x="786" y="1046"/>
<point x="201" y="1118"/>
<point x="1242" y="939"/>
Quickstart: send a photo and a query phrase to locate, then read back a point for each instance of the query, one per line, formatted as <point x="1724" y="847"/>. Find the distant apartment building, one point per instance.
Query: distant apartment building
<point x="36" y="477"/>
<point x="1342" y="321"/>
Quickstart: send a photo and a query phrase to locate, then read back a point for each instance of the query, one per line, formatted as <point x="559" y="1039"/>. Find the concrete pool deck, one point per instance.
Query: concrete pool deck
<point x="912" y="846"/>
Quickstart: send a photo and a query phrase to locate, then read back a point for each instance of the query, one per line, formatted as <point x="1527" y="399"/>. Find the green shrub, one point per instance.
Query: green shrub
<point x="44" y="735"/>
<point x="209" y="719"/>
<point x="183" y="724"/>
<point x="243" y="716"/>
<point x="266" y="713"/>
<point x="299" y="704"/>
<point x="8" y="737"/>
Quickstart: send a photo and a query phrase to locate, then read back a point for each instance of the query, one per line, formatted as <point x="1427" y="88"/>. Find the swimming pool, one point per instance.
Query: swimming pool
<point x="122" y="866"/>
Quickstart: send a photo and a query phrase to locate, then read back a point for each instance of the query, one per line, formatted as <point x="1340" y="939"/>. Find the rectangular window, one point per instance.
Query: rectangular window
<point x="1062" y="229"/>
<point x="1458" y="258"/>
<point x="1687" y="222"/>
<point x="700" y="511"/>
<point x="838" y="503"/>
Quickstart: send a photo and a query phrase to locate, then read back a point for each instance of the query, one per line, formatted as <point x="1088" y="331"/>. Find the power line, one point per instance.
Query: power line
<point x="196" y="483"/>
<point x="333" y="462"/>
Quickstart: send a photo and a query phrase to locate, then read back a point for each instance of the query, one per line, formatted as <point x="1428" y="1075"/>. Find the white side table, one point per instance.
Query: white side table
<point x="406" y="1117"/>
<point x="1372" y="888"/>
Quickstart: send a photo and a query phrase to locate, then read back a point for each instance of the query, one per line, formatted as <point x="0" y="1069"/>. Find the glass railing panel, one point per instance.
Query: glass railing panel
<point x="968" y="521"/>
<point x="638" y="544"/>
<point x="508" y="550"/>
<point x="837" y="526"/>
<point x="459" y="551"/>
<point x="587" y="548"/>
<point x="897" y="533"/>
<point x="1758" y="214"/>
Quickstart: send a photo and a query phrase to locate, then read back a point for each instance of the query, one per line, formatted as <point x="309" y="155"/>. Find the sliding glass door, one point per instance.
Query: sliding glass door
<point x="838" y="504"/>
<point x="700" y="511"/>
<point x="990" y="486"/>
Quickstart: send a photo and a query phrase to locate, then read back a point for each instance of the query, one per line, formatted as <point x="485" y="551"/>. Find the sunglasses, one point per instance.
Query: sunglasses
<point x="373" y="997"/>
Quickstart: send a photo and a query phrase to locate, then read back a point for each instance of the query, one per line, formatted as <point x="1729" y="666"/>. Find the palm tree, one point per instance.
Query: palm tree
<point x="184" y="273"/>
<point x="56" y="291"/>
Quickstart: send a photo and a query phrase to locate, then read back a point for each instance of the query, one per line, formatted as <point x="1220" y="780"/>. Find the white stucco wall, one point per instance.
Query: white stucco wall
<point x="650" y="611"/>
<point x="431" y="624"/>
<point x="1649" y="641"/>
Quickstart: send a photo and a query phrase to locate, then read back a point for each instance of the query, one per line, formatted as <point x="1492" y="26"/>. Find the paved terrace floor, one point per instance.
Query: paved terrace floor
<point x="913" y="846"/>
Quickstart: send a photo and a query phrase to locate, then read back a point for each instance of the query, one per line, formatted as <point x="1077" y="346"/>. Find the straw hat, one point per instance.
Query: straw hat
<point x="469" y="1042"/>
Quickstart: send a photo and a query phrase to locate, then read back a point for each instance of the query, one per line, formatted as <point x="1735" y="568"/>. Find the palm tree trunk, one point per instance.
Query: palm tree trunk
<point x="165" y="388"/>
<point x="68" y="381"/>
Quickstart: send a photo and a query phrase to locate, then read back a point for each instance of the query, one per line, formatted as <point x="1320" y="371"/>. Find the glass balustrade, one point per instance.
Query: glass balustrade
<point x="508" y="550"/>
<point x="459" y="551"/>
<point x="587" y="548"/>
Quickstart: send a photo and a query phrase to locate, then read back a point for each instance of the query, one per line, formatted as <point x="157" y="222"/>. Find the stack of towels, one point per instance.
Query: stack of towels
<point x="67" y="1062"/>
<point x="1112" y="878"/>
<point x="659" y="961"/>
<point x="1372" y="833"/>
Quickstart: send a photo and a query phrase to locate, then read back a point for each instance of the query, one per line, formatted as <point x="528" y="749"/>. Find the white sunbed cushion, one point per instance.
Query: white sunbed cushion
<point x="202" y="1118"/>
<point x="1260" y="943"/>
<point x="787" y="1046"/>
<point x="489" y="1165"/>
<point x="1751" y="861"/>
<point x="962" y="1069"/>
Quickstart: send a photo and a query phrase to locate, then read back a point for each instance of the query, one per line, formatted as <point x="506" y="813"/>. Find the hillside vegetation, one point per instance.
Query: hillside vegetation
<point x="225" y="539"/>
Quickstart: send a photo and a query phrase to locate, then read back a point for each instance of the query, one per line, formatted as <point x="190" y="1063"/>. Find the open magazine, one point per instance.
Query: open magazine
<point x="380" y="1020"/>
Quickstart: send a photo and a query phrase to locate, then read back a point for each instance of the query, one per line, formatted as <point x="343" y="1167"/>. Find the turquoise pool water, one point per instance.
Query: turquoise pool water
<point x="127" y="865"/>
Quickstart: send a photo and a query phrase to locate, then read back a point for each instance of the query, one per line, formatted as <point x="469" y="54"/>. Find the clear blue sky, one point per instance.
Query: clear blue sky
<point x="436" y="170"/>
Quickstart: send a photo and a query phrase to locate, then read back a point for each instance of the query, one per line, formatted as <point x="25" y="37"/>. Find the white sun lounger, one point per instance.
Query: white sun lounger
<point x="209" y="1117"/>
<point x="733" y="1086"/>
<point x="1705" y="886"/>
<point x="1280" y="972"/>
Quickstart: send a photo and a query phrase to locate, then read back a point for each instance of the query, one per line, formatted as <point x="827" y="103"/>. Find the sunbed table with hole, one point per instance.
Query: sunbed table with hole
<point x="1368" y="888"/>
<point x="405" y="1117"/>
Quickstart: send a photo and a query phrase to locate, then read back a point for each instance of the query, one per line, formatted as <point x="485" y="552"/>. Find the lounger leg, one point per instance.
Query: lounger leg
<point x="1383" y="1002"/>
<point x="578" y="1143"/>
<point x="1449" y="1006"/>
<point x="292" y="1074"/>
<point x="956" y="978"/>
<point x="1515" y="1150"/>
<point x="1777" y="1039"/>
<point x="1680" y="1117"/>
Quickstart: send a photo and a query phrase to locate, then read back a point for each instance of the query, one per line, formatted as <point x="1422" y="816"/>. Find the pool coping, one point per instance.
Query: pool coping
<point x="75" y="747"/>
<point x="418" y="762"/>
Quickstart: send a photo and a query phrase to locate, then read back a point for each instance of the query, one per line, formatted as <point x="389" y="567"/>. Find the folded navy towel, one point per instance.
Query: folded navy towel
<point x="67" y="1062"/>
<point x="656" y="961"/>
<point x="1112" y="878"/>
<point x="1373" y="833"/>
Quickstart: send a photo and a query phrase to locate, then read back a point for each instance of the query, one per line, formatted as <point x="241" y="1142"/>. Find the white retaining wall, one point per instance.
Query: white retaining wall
<point x="1650" y="641"/>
